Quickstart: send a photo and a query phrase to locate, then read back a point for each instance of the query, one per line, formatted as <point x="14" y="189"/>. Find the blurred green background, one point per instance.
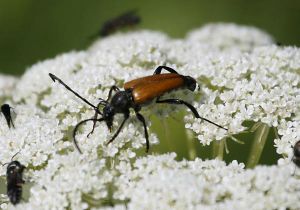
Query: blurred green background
<point x="33" y="30"/>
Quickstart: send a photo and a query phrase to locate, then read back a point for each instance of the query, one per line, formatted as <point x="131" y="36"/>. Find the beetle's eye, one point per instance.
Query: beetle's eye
<point x="108" y="111"/>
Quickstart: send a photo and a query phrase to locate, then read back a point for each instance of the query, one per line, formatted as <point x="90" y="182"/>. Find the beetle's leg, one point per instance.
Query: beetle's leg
<point x="113" y="88"/>
<point x="193" y="109"/>
<point x="160" y="68"/>
<point x="95" y="116"/>
<point x="126" y="116"/>
<point x="94" y="124"/>
<point x="76" y="128"/>
<point x="12" y="123"/>
<point x="142" y="119"/>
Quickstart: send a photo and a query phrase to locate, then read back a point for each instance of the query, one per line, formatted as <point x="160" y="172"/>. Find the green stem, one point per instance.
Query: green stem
<point x="167" y="134"/>
<point x="192" y="152"/>
<point x="260" y="138"/>
<point x="218" y="149"/>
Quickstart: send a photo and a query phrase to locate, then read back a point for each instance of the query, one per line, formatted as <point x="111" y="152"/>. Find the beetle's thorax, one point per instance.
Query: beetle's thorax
<point x="121" y="102"/>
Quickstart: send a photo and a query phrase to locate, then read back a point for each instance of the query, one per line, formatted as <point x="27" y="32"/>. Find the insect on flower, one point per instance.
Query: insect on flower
<point x="5" y="109"/>
<point x="137" y="93"/>
<point x="14" y="178"/>
<point x="129" y="18"/>
<point x="296" y="157"/>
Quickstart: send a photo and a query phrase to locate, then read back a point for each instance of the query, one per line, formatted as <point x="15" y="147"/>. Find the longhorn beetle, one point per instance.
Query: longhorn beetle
<point x="137" y="93"/>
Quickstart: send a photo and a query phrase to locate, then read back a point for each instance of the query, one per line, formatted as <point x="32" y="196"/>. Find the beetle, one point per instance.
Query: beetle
<point x="14" y="178"/>
<point x="137" y="93"/>
<point x="129" y="18"/>
<point x="296" y="157"/>
<point x="5" y="109"/>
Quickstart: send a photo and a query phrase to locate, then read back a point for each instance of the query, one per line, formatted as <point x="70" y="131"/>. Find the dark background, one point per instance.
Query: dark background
<point x="33" y="30"/>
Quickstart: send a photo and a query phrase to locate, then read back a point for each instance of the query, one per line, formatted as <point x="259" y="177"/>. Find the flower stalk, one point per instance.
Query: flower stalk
<point x="218" y="149"/>
<point x="190" y="139"/>
<point x="259" y="141"/>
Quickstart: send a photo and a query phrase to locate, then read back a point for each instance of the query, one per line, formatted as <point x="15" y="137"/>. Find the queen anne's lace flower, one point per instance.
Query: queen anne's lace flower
<point x="230" y="37"/>
<point x="169" y="184"/>
<point x="7" y="84"/>
<point x="243" y="77"/>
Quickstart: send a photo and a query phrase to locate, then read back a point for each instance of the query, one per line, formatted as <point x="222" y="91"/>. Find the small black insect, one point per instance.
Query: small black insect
<point x="296" y="158"/>
<point x="127" y="19"/>
<point x="136" y="94"/>
<point x="14" y="178"/>
<point x="5" y="109"/>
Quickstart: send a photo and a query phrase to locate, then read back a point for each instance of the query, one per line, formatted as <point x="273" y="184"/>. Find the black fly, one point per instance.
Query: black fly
<point x="14" y="178"/>
<point x="129" y="18"/>
<point x="296" y="158"/>
<point x="5" y="109"/>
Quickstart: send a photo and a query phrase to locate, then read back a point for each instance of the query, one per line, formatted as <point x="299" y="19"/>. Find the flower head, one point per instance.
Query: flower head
<point x="243" y="78"/>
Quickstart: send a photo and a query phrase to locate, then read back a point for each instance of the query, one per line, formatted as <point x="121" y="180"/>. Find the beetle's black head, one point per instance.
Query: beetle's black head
<point x="108" y="115"/>
<point x="190" y="82"/>
<point x="14" y="167"/>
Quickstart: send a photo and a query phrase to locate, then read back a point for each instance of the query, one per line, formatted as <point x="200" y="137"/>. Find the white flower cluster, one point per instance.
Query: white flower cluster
<point x="160" y="182"/>
<point x="260" y="86"/>
<point x="290" y="134"/>
<point x="7" y="84"/>
<point x="242" y="77"/>
<point x="231" y="37"/>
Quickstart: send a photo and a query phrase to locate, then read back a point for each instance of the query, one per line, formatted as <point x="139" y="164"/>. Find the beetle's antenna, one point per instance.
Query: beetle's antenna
<point x="15" y="155"/>
<point x="5" y="164"/>
<point x="54" y="78"/>
<point x="77" y="126"/>
<point x="12" y="158"/>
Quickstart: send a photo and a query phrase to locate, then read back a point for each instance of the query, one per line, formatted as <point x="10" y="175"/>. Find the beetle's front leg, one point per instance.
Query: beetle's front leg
<point x="126" y="116"/>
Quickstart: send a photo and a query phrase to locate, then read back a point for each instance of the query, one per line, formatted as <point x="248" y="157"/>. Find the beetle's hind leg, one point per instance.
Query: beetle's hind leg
<point x="142" y="119"/>
<point x="193" y="109"/>
<point x="160" y="68"/>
